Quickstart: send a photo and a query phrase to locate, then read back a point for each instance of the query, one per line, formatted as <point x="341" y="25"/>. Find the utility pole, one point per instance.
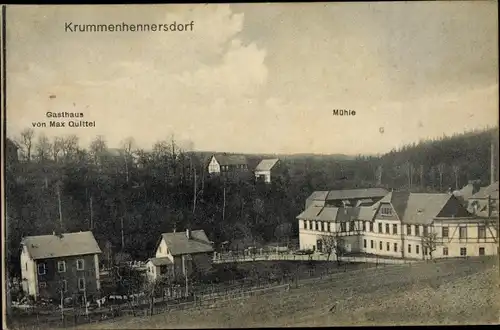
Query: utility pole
<point x="224" y="203"/>
<point x="91" y="214"/>
<point x="123" y="238"/>
<point x="60" y="206"/>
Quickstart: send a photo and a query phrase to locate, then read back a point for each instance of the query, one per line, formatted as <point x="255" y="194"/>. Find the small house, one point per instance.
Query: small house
<point x="267" y="169"/>
<point x="60" y="264"/>
<point x="181" y="253"/>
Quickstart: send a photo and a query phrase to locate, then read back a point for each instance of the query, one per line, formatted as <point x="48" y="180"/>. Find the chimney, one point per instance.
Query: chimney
<point x="188" y="233"/>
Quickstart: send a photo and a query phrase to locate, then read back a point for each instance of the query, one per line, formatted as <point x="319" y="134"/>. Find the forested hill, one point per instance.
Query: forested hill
<point x="111" y="194"/>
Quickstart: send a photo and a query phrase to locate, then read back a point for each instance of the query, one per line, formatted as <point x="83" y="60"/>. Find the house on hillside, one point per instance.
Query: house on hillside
<point x="402" y="224"/>
<point x="67" y="262"/>
<point x="11" y="152"/>
<point x="227" y="165"/>
<point x="180" y="254"/>
<point x="346" y="197"/>
<point x="267" y="169"/>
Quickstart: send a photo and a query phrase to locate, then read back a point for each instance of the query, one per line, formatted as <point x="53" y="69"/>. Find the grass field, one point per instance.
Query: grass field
<point x="445" y="292"/>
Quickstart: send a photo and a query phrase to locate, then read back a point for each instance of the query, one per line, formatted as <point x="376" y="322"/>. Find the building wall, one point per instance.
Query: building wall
<point x="404" y="243"/>
<point x="265" y="174"/>
<point x="213" y="166"/>
<point x="28" y="274"/>
<point x="163" y="251"/>
<point x="52" y="278"/>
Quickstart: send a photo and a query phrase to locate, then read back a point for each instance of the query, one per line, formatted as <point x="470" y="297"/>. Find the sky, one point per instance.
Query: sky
<point x="258" y="78"/>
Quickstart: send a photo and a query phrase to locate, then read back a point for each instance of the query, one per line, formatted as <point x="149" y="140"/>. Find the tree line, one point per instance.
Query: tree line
<point x="127" y="196"/>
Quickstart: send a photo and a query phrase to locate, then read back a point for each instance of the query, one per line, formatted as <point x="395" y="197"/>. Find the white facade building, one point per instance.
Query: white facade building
<point x="404" y="225"/>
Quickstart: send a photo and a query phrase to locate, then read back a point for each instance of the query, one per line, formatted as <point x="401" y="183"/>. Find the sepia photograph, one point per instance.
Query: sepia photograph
<point x="248" y="165"/>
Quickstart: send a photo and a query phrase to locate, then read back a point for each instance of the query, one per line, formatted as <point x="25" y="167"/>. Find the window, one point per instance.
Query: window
<point x="385" y="211"/>
<point x="41" y="269"/>
<point x="371" y="244"/>
<point x="42" y="285"/>
<point x="305" y="226"/>
<point x="408" y="229"/>
<point x="80" y="264"/>
<point x="371" y="227"/>
<point x="425" y="230"/>
<point x="481" y="232"/>
<point x="395" y="247"/>
<point x="317" y="225"/>
<point x="445" y="231"/>
<point x="310" y="225"/>
<point x="409" y="248"/>
<point x="322" y="226"/>
<point x="388" y="246"/>
<point x="351" y="226"/>
<point x="379" y="227"/>
<point x="380" y="245"/>
<point x="61" y="266"/>
<point x="364" y="243"/>
<point x="445" y="251"/>
<point x="330" y="226"/>
<point x="395" y="229"/>
<point x="462" y="233"/>
<point x="342" y="226"/>
<point x="463" y="252"/>
<point x="364" y="226"/>
<point x="481" y="251"/>
<point x="26" y="266"/>
<point x="160" y="249"/>
<point x="387" y="228"/>
<point x="425" y="250"/>
<point x="417" y="230"/>
<point x="81" y="284"/>
<point x="417" y="249"/>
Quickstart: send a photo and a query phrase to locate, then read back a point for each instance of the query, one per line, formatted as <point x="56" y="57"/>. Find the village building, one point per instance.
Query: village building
<point x="66" y="262"/>
<point x="484" y="203"/>
<point x="227" y="164"/>
<point x="181" y="254"/>
<point x="11" y="152"/>
<point x="402" y="225"/>
<point x="267" y="170"/>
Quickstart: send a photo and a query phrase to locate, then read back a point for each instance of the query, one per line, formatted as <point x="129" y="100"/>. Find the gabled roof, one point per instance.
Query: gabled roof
<point x="231" y="159"/>
<point x="356" y="193"/>
<point x="339" y="214"/>
<point x="310" y="213"/>
<point x="423" y="208"/>
<point x="178" y="243"/>
<point x="483" y="193"/>
<point x="11" y="143"/>
<point x="318" y="195"/>
<point x="266" y="164"/>
<point x="65" y="245"/>
<point x="160" y="261"/>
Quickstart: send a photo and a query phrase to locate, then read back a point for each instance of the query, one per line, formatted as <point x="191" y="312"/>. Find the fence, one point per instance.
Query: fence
<point x="78" y="317"/>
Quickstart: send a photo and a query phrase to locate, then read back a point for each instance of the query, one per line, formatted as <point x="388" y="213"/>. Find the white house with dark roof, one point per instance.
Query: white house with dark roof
<point x="225" y="164"/>
<point x="266" y="169"/>
<point x="179" y="253"/>
<point x="398" y="225"/>
<point x="67" y="262"/>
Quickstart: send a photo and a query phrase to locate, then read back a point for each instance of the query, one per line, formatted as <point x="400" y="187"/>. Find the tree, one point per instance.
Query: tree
<point x="441" y="168"/>
<point x="56" y="148"/>
<point x="27" y="142"/>
<point x="456" y="174"/>
<point x="42" y="148"/>
<point x="430" y="242"/>
<point x="97" y="147"/>
<point x="69" y="146"/>
<point x="333" y="244"/>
